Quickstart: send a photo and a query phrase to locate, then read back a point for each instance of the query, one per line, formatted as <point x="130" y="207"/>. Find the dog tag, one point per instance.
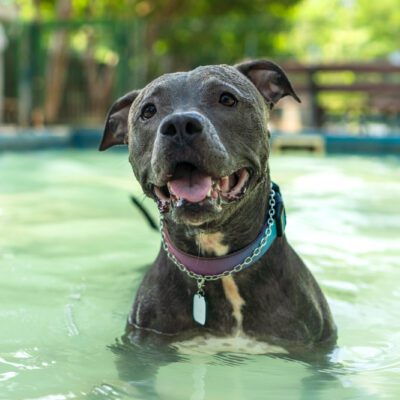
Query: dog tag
<point x="199" y="308"/>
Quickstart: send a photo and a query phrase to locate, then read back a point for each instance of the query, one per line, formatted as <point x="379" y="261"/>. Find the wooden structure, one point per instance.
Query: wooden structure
<point x="380" y="81"/>
<point x="303" y="142"/>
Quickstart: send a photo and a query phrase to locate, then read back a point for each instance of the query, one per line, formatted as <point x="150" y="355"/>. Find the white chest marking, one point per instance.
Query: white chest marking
<point x="241" y="344"/>
<point x="232" y="294"/>
<point x="211" y="244"/>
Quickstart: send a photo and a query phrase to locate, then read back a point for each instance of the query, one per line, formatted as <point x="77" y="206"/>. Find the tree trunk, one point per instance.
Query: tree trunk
<point x="57" y="65"/>
<point x="100" y="80"/>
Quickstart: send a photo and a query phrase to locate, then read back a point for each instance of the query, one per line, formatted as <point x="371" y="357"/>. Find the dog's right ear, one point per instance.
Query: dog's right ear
<point x="116" y="125"/>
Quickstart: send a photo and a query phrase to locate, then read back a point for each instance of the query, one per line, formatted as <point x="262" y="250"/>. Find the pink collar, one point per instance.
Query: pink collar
<point x="217" y="265"/>
<point x="201" y="267"/>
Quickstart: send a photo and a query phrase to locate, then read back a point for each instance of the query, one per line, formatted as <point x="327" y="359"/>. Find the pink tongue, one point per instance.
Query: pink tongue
<point x="190" y="184"/>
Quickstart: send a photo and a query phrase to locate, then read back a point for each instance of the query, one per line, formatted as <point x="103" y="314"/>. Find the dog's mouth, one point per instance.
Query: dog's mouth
<point x="189" y="185"/>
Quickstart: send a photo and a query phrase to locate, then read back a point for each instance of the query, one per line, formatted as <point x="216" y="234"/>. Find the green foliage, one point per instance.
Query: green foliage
<point x="342" y="30"/>
<point x="157" y="9"/>
<point x="142" y="39"/>
<point x="201" y="31"/>
<point x="188" y="42"/>
<point x="180" y="34"/>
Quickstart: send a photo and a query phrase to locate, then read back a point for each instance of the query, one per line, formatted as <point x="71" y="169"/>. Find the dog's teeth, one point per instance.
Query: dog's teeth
<point x="174" y="200"/>
<point x="224" y="183"/>
<point x="215" y="185"/>
<point x="169" y="188"/>
<point x="209" y="194"/>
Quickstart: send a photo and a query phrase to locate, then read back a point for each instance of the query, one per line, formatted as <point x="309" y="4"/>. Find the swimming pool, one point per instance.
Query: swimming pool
<point x="73" y="250"/>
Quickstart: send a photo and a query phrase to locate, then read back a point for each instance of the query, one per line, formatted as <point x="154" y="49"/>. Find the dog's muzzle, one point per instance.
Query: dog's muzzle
<point x="189" y="184"/>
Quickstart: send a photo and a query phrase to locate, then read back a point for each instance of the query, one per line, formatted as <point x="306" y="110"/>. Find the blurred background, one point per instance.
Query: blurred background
<point x="63" y="62"/>
<point x="73" y="249"/>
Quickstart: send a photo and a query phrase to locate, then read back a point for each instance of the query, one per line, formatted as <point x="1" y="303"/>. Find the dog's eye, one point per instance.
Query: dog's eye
<point x="227" y="100"/>
<point x="148" y="111"/>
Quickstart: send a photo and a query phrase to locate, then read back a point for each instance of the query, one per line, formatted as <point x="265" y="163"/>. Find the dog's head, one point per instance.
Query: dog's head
<point x="198" y="141"/>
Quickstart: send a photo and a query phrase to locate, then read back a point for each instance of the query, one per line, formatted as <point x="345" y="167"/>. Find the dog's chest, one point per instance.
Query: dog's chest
<point x="212" y="244"/>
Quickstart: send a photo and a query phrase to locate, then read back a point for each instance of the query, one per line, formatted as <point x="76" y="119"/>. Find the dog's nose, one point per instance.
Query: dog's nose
<point x="181" y="127"/>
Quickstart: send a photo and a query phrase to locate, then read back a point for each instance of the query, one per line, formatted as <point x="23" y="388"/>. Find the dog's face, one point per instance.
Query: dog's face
<point x="199" y="141"/>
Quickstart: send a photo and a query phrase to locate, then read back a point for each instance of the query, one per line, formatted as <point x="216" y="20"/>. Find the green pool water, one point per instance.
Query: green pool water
<point x="73" y="250"/>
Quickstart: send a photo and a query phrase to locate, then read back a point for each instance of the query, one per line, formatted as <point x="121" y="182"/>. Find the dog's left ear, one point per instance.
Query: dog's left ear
<point x="269" y="79"/>
<point x="116" y="125"/>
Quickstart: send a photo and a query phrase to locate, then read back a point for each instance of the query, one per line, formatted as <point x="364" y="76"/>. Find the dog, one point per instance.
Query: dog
<point x="199" y="146"/>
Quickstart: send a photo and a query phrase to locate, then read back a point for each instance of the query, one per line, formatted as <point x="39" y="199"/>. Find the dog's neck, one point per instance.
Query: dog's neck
<point x="227" y="235"/>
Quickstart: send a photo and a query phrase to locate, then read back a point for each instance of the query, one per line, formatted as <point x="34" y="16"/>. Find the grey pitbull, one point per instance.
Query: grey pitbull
<point x="199" y="146"/>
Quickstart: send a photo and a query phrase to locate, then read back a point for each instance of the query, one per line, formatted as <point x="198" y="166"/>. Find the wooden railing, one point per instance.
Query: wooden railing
<point x="384" y="92"/>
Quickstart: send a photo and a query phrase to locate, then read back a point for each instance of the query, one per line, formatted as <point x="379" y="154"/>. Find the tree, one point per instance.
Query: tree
<point x="342" y="30"/>
<point x="174" y="35"/>
<point x="57" y="64"/>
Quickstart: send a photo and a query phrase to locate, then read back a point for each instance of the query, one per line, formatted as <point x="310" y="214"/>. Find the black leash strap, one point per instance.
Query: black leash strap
<point x="145" y="213"/>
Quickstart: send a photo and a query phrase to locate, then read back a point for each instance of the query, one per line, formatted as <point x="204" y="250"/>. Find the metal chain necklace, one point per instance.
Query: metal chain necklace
<point x="199" y="302"/>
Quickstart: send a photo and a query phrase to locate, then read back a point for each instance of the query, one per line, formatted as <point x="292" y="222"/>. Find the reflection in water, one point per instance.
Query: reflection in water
<point x="139" y="365"/>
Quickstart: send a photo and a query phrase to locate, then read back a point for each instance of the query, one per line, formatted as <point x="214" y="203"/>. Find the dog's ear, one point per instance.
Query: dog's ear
<point x="269" y="79"/>
<point x="116" y="125"/>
